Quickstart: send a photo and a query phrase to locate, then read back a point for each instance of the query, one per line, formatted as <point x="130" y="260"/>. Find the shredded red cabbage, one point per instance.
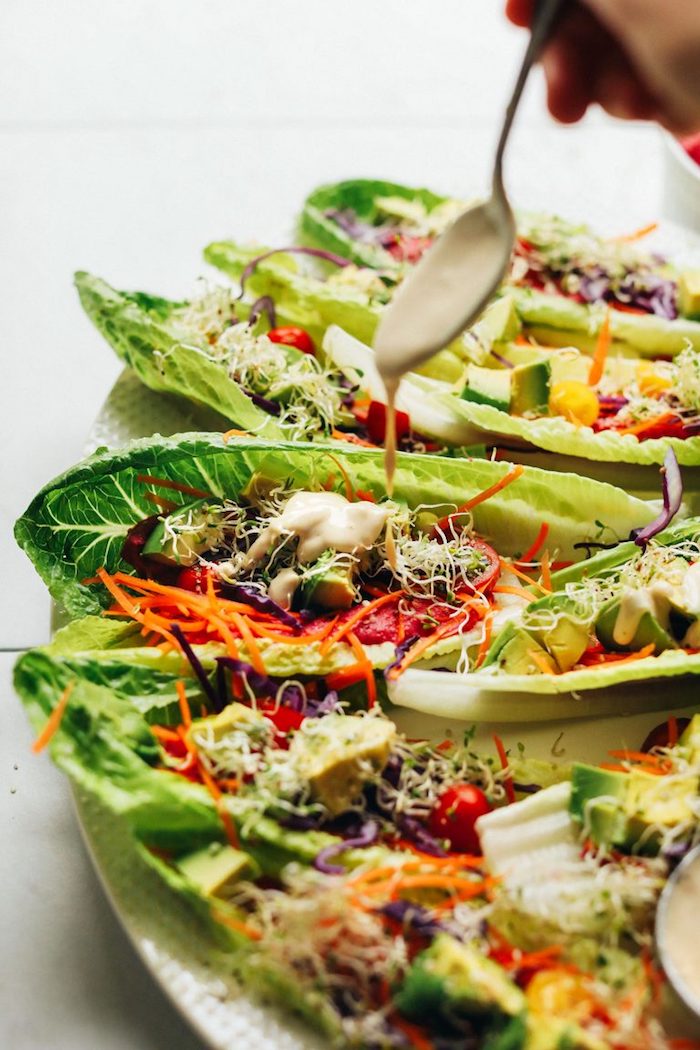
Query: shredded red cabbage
<point x="416" y="833"/>
<point x="400" y="651"/>
<point x="264" y="305"/>
<point x="672" y="485"/>
<point x="195" y="663"/>
<point x="318" y="253"/>
<point x="413" y="917"/>
<point x="367" y="836"/>
<point x="501" y="359"/>
<point x="252" y="596"/>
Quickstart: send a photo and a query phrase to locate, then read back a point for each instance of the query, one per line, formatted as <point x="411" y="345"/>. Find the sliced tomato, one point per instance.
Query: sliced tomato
<point x="486" y="580"/>
<point x="376" y="423"/>
<point x="196" y="578"/>
<point x="284" y="719"/>
<point x="290" y="335"/>
<point x="455" y="815"/>
<point x="406" y="248"/>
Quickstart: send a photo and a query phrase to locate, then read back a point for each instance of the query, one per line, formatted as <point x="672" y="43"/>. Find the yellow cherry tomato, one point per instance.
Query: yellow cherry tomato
<point x="560" y="994"/>
<point x="650" y="382"/>
<point x="574" y="401"/>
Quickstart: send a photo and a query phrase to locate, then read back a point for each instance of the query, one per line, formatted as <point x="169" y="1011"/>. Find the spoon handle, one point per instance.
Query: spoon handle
<point x="546" y="14"/>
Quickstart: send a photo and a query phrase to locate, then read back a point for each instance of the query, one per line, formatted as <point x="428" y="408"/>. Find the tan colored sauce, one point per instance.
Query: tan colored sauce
<point x="283" y="587"/>
<point x="322" y="521"/>
<point x="654" y="599"/>
<point x="680" y="936"/>
<point x="392" y="385"/>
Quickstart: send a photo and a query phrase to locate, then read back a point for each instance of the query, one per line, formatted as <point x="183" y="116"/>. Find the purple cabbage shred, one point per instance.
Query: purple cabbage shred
<point x="672" y="485"/>
<point x="367" y="836"/>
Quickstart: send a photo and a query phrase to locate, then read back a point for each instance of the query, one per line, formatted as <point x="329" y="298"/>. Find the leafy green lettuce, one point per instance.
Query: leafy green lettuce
<point x="79" y="521"/>
<point x="148" y="334"/>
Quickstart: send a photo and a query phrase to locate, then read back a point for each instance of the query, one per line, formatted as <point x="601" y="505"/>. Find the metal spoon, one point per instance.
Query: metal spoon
<point x="454" y="281"/>
<point x="676" y="931"/>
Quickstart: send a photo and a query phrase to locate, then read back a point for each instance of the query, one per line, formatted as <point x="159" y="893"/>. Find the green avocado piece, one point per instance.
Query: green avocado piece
<point x="453" y="977"/>
<point x="330" y="588"/>
<point x="515" y="654"/>
<point x="445" y="365"/>
<point x="215" y="869"/>
<point x="337" y="755"/>
<point x="233" y="716"/>
<point x="689" y="294"/>
<point x="500" y="321"/>
<point x="649" y="631"/>
<point x="530" y="388"/>
<point x="628" y="811"/>
<point x="488" y="386"/>
<point x="258" y="488"/>
<point x="170" y="545"/>
<point x="566" y="641"/>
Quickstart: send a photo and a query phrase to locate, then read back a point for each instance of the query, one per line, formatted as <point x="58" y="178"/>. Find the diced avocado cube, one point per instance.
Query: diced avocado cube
<point x="530" y="388"/>
<point x="556" y="1033"/>
<point x="515" y="655"/>
<point x="215" y="869"/>
<point x="566" y="641"/>
<point x="337" y="754"/>
<point x="170" y="543"/>
<point x="445" y="365"/>
<point x="500" y="321"/>
<point x="689" y="294"/>
<point x="234" y="716"/>
<point x="488" y="386"/>
<point x="628" y="811"/>
<point x="649" y="631"/>
<point x="331" y="588"/>
<point x="451" y="977"/>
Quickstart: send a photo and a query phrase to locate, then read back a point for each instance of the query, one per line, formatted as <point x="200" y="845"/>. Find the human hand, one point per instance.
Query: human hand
<point x="639" y="59"/>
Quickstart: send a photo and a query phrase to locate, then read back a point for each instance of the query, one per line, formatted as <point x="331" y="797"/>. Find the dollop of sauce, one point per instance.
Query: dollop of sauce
<point x="659" y="599"/>
<point x="283" y="586"/>
<point x="680" y="937"/>
<point x="322" y="521"/>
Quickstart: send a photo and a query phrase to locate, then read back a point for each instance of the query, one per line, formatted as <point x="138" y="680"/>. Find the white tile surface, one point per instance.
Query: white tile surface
<point x="131" y="133"/>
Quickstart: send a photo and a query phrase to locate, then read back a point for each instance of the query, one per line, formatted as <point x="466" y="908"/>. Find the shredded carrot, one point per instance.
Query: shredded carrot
<point x="349" y="490"/>
<point x="352" y="621"/>
<point x="636" y="235"/>
<point x="353" y="439"/>
<point x="532" y="552"/>
<point x="512" y="475"/>
<point x="357" y="648"/>
<point x="347" y="676"/>
<point x="420" y="647"/>
<point x="546" y="576"/>
<point x="228" y="434"/>
<point x="164" y="734"/>
<point x="165" y="483"/>
<point x="239" y="927"/>
<point x="251" y="645"/>
<point x="184" y="705"/>
<point x="366" y="495"/>
<point x="510" y="567"/>
<point x="54" y="720"/>
<point x="672" y="731"/>
<point x="503" y="588"/>
<point x="485" y="642"/>
<point x="226" y="820"/>
<point x="637" y="756"/>
<point x="639" y="655"/>
<point x="540" y="661"/>
<point x="416" y="1036"/>
<point x="534" y="960"/>
<point x="163" y="504"/>
<point x="595" y="373"/>
<point x="503" y="756"/>
<point x="229" y="783"/>
<point x="653" y="421"/>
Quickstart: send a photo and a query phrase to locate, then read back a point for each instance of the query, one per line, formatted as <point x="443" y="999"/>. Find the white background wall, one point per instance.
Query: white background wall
<point x="132" y="132"/>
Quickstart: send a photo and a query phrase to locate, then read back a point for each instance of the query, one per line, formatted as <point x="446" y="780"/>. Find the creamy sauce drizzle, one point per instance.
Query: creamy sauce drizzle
<point x="283" y="587"/>
<point x="322" y="521"/>
<point x="658" y="599"/>
<point x="681" y="940"/>
<point x="392" y="385"/>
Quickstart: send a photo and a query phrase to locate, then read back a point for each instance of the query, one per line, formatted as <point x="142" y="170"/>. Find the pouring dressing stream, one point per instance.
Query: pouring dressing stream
<point x="459" y="274"/>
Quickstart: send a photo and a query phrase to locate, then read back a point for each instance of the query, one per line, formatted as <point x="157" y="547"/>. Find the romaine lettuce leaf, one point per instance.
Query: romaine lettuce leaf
<point x="145" y="333"/>
<point x="79" y="521"/>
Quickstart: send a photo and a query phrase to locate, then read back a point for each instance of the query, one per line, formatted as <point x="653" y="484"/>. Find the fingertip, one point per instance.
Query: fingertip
<point x="567" y="95"/>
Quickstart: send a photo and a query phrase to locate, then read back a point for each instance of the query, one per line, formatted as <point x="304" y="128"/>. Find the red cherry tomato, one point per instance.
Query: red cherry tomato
<point x="455" y="815"/>
<point x="195" y="578"/>
<point x="409" y="249"/>
<point x="376" y="423"/>
<point x="290" y="335"/>
<point x="284" y="719"/>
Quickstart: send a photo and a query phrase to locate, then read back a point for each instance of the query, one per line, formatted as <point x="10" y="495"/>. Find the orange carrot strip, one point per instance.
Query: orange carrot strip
<point x="226" y="820"/>
<point x="419" y="648"/>
<point x="164" y="734"/>
<point x="639" y="655"/>
<point x="510" y="567"/>
<point x="636" y="235"/>
<point x="228" y="434"/>
<point x="595" y="373"/>
<point x="349" y="490"/>
<point x="507" y="479"/>
<point x="485" y="642"/>
<point x="347" y="676"/>
<point x="508" y="782"/>
<point x="123" y="600"/>
<point x="352" y="621"/>
<point x="164" y="504"/>
<point x="532" y="552"/>
<point x="672" y="731"/>
<point x="240" y="927"/>
<point x="164" y="483"/>
<point x="183" y="702"/>
<point x="653" y="421"/>
<point x="352" y="438"/>
<point x="251" y="645"/>
<point x="546" y="576"/>
<point x="54" y="720"/>
<point x="357" y="648"/>
<point x="416" y="1035"/>
<point x="503" y="588"/>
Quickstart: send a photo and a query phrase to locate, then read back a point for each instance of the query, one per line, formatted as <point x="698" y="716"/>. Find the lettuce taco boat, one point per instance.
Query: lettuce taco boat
<point x="291" y="559"/>
<point x="392" y="892"/>
<point x="562" y="276"/>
